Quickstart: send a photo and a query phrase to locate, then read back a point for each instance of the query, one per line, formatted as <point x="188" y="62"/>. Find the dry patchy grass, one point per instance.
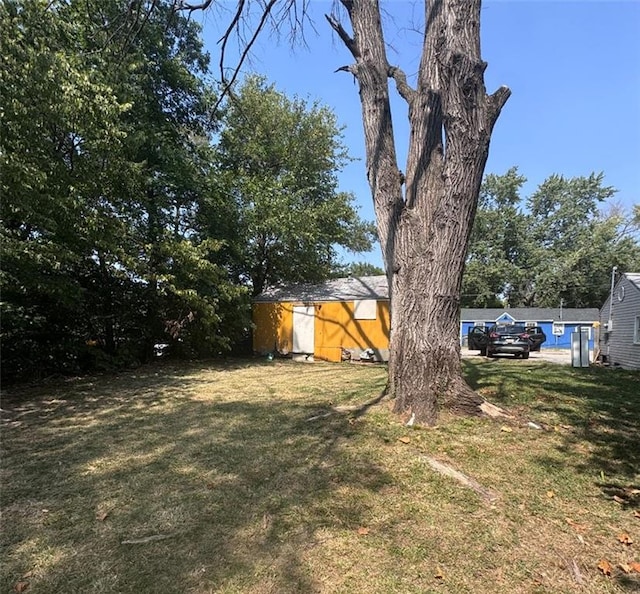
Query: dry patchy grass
<point x="219" y="483"/>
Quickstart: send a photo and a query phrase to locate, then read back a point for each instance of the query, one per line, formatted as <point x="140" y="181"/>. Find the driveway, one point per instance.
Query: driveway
<point x="560" y="356"/>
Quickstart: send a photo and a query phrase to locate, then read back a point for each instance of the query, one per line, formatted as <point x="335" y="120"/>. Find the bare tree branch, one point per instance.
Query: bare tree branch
<point x="227" y="34"/>
<point x="346" y="38"/>
<point x="227" y="84"/>
<point x="403" y="87"/>
<point x="181" y="5"/>
<point x="496" y="102"/>
<point x="352" y="68"/>
<point x="288" y="13"/>
<point x="233" y="24"/>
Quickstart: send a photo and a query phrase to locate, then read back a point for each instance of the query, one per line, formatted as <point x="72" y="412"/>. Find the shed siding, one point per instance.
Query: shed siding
<point x="336" y="329"/>
<point x="273" y="327"/>
<point x="618" y="345"/>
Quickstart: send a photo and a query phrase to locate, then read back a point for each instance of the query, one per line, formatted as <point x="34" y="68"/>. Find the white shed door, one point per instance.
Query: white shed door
<point x="303" y="323"/>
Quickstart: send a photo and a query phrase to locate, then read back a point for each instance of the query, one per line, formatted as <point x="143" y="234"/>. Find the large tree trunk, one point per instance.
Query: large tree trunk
<point x="424" y="231"/>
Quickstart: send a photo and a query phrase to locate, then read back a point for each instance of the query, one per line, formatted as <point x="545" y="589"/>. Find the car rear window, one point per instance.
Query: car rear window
<point x="510" y="329"/>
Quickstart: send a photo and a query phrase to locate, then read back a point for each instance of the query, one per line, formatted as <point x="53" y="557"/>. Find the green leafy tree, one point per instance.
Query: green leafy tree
<point x="357" y="269"/>
<point x="575" y="245"/>
<point x="60" y="121"/>
<point x="106" y="155"/>
<point x="279" y="159"/>
<point x="499" y="242"/>
<point x="558" y="245"/>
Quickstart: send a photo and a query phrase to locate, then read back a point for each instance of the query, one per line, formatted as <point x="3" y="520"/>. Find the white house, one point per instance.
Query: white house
<point x="620" y="323"/>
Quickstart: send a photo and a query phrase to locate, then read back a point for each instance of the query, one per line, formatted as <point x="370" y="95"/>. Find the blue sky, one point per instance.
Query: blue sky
<point x="573" y="68"/>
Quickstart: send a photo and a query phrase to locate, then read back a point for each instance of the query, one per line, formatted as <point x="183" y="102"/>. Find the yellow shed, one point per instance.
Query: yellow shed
<point x="337" y="319"/>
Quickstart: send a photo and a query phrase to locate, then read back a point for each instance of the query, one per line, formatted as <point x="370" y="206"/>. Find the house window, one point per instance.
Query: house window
<point x="365" y="309"/>
<point x="558" y="328"/>
<point x="636" y="331"/>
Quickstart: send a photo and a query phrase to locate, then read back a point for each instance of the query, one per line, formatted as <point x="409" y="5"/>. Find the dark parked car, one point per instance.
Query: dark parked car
<point x="515" y="339"/>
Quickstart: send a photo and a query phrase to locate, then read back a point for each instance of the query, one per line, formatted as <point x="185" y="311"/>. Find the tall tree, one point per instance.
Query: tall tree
<point x="60" y="122"/>
<point x="424" y="217"/>
<point x="574" y="244"/>
<point x="169" y="126"/>
<point x="105" y="154"/>
<point x="279" y="159"/>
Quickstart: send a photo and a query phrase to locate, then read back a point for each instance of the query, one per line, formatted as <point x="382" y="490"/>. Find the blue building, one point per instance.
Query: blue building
<point x="556" y="323"/>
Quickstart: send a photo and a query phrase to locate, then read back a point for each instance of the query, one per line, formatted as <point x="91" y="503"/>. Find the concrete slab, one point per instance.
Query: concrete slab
<point x="559" y="356"/>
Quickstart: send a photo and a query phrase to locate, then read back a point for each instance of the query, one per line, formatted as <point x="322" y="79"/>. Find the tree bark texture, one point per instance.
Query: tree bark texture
<point x="424" y="227"/>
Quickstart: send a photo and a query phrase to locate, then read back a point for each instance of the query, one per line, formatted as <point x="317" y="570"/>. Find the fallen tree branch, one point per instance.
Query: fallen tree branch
<point x="491" y="410"/>
<point x="321" y="416"/>
<point x="146" y="539"/>
<point x="463" y="479"/>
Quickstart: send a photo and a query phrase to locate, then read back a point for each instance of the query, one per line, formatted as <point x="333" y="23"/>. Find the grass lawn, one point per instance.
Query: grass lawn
<point x="210" y="478"/>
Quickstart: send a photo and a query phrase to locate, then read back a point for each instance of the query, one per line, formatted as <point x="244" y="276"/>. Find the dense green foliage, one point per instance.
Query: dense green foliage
<point x="357" y="269"/>
<point x="558" y="244"/>
<point x="278" y="162"/>
<point x="119" y="227"/>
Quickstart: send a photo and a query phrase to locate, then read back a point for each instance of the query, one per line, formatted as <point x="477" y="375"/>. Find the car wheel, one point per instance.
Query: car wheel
<point x="525" y="355"/>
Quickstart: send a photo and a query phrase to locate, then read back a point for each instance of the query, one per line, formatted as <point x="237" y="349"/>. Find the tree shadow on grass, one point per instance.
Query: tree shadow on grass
<point x="240" y="488"/>
<point x="600" y="406"/>
<point x="595" y="414"/>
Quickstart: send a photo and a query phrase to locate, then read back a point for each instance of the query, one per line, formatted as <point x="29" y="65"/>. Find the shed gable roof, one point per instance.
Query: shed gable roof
<point x="337" y="289"/>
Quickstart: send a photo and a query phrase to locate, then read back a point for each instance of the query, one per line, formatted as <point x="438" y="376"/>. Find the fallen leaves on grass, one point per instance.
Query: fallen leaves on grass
<point x="102" y="516"/>
<point x="439" y="574"/>
<point x="636" y="514"/>
<point x="362" y="531"/>
<point x="551" y="494"/>
<point x="625" y="539"/>
<point x="630" y="567"/>
<point x="20" y="586"/>
<point x="506" y="429"/>
<point x="605" y="567"/>
<point x="404" y="439"/>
